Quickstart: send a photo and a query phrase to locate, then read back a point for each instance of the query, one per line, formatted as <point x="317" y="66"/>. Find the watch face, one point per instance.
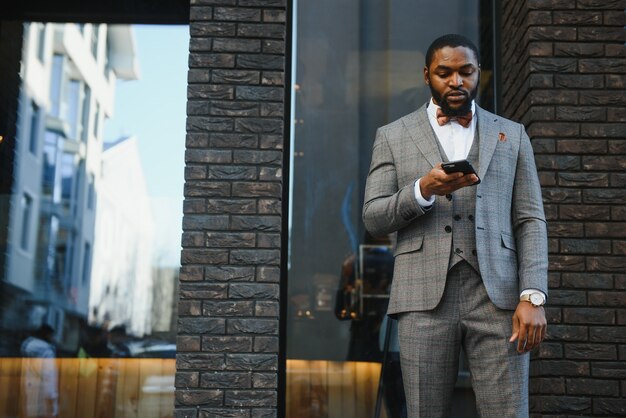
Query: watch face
<point x="536" y="299"/>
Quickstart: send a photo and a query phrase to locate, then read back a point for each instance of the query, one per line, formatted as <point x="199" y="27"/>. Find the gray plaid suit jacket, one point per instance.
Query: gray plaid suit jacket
<point x="511" y="237"/>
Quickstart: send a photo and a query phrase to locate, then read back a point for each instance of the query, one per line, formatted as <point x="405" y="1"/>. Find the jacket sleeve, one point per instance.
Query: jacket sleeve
<point x="387" y="208"/>
<point x="529" y="222"/>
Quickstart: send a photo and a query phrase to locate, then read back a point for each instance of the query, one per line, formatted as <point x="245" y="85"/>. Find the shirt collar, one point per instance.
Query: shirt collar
<point x="432" y="108"/>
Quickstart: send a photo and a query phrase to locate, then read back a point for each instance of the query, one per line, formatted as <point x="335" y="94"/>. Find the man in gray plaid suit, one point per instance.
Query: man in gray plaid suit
<point x="471" y="257"/>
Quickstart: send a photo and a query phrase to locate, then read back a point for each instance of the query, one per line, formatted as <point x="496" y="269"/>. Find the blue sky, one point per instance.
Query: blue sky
<point x="153" y="109"/>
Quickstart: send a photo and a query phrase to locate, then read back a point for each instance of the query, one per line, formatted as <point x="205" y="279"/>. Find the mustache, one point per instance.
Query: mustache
<point x="457" y="91"/>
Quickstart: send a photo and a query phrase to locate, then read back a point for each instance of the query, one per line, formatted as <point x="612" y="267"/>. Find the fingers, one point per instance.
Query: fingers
<point x="544" y="332"/>
<point x="522" y="341"/>
<point x="515" y="333"/>
<point x="534" y="337"/>
<point x="529" y="328"/>
<point x="530" y="337"/>
<point x="440" y="183"/>
<point x="462" y="180"/>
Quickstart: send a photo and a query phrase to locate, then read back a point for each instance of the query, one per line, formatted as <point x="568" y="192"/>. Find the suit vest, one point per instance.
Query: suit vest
<point x="463" y="215"/>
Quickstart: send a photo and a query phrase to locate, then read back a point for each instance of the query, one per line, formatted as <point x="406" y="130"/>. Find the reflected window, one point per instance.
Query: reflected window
<point x="73" y="108"/>
<point x="68" y="178"/>
<point x="40" y="36"/>
<point x="84" y="126"/>
<point x="50" y="156"/>
<point x="27" y="208"/>
<point x="34" y="128"/>
<point x="96" y="121"/>
<point x="355" y="69"/>
<point x="89" y="278"/>
<point x="91" y="192"/>
<point x="56" y="84"/>
<point x="95" y="35"/>
<point x="86" y="263"/>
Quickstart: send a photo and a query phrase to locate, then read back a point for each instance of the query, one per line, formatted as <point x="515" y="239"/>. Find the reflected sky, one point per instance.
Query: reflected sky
<point x="162" y="52"/>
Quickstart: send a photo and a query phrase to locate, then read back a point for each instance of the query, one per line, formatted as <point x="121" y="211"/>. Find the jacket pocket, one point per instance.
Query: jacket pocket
<point x="508" y="241"/>
<point x="409" y="244"/>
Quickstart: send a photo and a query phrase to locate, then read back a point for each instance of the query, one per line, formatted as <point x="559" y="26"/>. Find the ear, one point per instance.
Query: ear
<point x="426" y="79"/>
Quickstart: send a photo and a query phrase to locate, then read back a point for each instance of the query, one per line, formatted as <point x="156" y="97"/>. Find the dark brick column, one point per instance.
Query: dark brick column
<point x="564" y="72"/>
<point x="227" y="362"/>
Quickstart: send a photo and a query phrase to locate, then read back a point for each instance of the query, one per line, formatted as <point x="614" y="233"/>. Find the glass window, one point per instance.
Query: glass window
<point x="50" y="157"/>
<point x="73" y="108"/>
<point x="356" y="68"/>
<point x="84" y="126"/>
<point x="106" y="67"/>
<point x="86" y="263"/>
<point x="39" y="30"/>
<point x="46" y="242"/>
<point x="56" y="84"/>
<point x="89" y="278"/>
<point x="68" y="178"/>
<point x="27" y="208"/>
<point x="96" y="121"/>
<point x="95" y="35"/>
<point x="34" y="128"/>
<point x="91" y="192"/>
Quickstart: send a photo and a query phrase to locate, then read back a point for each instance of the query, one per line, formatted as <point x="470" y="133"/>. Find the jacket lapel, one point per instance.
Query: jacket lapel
<point x="488" y="139"/>
<point x="426" y="143"/>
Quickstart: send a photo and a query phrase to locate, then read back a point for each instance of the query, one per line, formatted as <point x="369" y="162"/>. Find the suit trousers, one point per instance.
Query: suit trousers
<point x="430" y="343"/>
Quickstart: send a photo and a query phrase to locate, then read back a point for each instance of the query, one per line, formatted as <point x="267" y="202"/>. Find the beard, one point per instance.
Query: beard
<point x="442" y="101"/>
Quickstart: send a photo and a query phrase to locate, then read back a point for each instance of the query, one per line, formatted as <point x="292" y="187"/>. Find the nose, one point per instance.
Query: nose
<point x="456" y="80"/>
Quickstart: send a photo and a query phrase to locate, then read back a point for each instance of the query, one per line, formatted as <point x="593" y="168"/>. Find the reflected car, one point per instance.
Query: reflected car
<point x="154" y="350"/>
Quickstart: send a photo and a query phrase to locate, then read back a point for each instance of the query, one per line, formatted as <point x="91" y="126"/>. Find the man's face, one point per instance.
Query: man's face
<point x="453" y="78"/>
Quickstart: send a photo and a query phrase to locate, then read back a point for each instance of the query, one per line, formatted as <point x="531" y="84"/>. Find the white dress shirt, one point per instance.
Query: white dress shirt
<point x="456" y="142"/>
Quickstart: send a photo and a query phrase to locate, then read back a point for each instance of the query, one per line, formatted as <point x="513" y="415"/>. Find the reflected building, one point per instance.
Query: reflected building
<point x="68" y="76"/>
<point x="121" y="278"/>
<point x="165" y="306"/>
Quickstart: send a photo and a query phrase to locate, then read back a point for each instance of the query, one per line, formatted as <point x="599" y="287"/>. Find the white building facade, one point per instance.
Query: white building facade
<point x="122" y="275"/>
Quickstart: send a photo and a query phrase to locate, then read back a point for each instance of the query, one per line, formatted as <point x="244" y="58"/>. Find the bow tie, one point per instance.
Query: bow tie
<point x="463" y="120"/>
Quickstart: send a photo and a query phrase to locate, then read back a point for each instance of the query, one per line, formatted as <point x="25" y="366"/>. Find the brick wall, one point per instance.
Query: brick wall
<point x="227" y="362"/>
<point x="564" y="72"/>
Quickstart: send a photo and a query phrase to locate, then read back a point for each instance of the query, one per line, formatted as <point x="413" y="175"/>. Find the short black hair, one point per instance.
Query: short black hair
<point x="452" y="40"/>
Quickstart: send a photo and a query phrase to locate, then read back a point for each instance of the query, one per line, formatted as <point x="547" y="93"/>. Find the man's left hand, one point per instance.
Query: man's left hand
<point x="529" y="326"/>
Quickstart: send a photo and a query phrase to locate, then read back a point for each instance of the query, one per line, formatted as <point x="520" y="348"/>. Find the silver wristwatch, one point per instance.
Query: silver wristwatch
<point x="535" y="298"/>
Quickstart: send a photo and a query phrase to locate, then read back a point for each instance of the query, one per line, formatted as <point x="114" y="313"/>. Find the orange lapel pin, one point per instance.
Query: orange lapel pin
<point x="502" y="137"/>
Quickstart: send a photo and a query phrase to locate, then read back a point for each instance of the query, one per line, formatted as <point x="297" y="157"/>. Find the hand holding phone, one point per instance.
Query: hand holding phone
<point x="462" y="166"/>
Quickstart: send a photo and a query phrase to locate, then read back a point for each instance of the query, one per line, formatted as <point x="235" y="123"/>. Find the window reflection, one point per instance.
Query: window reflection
<point x="27" y="207"/>
<point x="87" y="310"/>
<point x="357" y="68"/>
<point x="34" y="127"/>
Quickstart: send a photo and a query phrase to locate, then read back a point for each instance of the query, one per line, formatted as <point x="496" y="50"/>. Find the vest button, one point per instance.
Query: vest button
<point x="448" y="228"/>
<point x="470" y="217"/>
<point x="449" y="196"/>
<point x="458" y="251"/>
<point x="473" y="252"/>
<point x="457" y="217"/>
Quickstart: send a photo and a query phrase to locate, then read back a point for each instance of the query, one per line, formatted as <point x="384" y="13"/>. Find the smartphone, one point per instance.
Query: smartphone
<point x="462" y="166"/>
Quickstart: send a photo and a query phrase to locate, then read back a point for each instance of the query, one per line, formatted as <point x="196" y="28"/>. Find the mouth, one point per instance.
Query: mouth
<point x="456" y="97"/>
